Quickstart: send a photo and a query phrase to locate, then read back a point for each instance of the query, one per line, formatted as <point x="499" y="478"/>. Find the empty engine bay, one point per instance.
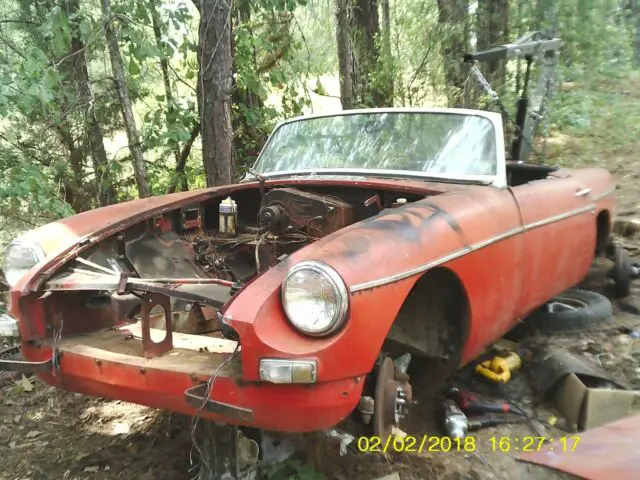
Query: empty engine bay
<point x="184" y="263"/>
<point x="188" y="243"/>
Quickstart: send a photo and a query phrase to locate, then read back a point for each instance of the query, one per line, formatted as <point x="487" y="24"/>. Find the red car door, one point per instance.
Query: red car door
<point x="559" y="235"/>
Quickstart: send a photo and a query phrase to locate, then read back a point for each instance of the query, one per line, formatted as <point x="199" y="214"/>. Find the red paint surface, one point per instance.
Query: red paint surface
<point x="604" y="453"/>
<point x="503" y="281"/>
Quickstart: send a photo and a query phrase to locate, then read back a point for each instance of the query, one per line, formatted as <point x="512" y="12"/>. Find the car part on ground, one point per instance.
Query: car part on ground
<point x="573" y="311"/>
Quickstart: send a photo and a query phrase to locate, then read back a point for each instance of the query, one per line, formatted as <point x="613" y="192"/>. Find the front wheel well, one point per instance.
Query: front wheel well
<point x="603" y="231"/>
<point x="434" y="318"/>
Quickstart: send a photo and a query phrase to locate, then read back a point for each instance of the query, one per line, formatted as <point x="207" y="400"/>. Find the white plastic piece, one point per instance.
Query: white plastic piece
<point x="227" y="216"/>
<point x="8" y="326"/>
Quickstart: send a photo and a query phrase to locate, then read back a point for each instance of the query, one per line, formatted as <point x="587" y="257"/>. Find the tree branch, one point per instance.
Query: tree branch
<point x="184" y="155"/>
<point x="12" y="47"/>
<point x="26" y="22"/>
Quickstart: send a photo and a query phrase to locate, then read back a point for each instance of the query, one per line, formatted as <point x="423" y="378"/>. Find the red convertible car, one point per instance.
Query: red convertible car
<point x="279" y="302"/>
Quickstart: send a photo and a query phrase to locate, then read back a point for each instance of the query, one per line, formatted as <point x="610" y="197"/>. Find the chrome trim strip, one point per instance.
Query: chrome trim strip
<point x="606" y="193"/>
<point x="472" y="248"/>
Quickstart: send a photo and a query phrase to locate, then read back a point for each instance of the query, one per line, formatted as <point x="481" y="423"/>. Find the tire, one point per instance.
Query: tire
<point x="573" y="311"/>
<point x="621" y="272"/>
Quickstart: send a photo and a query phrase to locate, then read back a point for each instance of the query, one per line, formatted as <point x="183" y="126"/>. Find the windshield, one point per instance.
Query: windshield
<point x="428" y="143"/>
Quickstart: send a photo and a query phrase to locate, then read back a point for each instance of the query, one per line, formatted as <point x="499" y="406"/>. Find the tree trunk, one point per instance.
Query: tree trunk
<point x="357" y="32"/>
<point x="74" y="193"/>
<point x="388" y="64"/>
<point x="139" y="167"/>
<point x="181" y="161"/>
<point x="346" y="59"/>
<point x="493" y="29"/>
<point x="453" y="15"/>
<point x="249" y="135"/>
<point x="214" y="90"/>
<point x="635" y="12"/>
<point x="105" y="192"/>
<point x="365" y="31"/>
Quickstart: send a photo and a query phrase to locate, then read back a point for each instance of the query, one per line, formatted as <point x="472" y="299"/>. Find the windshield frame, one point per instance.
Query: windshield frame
<point x="498" y="180"/>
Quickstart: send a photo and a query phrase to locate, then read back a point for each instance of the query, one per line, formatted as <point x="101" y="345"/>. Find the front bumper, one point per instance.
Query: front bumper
<point x="104" y="364"/>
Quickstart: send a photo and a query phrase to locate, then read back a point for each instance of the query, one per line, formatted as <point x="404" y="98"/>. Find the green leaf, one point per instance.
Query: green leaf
<point x="134" y="68"/>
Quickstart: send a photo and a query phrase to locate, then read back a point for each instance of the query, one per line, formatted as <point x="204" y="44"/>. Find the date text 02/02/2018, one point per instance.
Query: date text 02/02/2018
<point x="432" y="443"/>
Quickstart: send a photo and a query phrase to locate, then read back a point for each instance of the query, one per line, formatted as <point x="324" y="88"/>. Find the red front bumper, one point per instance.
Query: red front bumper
<point x="90" y="364"/>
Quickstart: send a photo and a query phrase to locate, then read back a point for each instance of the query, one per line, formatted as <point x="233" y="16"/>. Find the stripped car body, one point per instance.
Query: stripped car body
<point x="435" y="263"/>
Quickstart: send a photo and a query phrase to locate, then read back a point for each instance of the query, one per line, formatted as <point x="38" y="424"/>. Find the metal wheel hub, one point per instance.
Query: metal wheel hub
<point x="392" y="398"/>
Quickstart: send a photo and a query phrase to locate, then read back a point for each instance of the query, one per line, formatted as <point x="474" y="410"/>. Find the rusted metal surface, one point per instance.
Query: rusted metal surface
<point x="320" y="214"/>
<point x="604" y="453"/>
<point x="155" y="254"/>
<point x="511" y="257"/>
<point x="149" y="301"/>
<point x="64" y="239"/>
<point x="196" y="320"/>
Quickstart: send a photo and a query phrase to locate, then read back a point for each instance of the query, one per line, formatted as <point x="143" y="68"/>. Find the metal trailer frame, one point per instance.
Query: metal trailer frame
<point x="530" y="110"/>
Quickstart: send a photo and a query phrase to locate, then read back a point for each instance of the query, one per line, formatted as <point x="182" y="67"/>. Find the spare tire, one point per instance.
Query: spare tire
<point x="572" y="311"/>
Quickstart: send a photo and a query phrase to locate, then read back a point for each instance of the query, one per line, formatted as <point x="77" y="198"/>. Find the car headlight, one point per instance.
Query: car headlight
<point x="315" y="298"/>
<point x="19" y="257"/>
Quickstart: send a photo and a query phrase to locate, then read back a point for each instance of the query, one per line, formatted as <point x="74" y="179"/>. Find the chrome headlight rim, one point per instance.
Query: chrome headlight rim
<point x="33" y="246"/>
<point x="340" y="289"/>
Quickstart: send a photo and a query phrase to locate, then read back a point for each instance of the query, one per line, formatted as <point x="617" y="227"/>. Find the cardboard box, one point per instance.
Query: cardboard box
<point x="588" y="407"/>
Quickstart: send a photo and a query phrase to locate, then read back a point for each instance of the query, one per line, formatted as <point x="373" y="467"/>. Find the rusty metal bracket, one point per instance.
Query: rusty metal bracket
<point x="149" y="301"/>
<point x="22" y="366"/>
<point x="195" y="397"/>
<point x="122" y="284"/>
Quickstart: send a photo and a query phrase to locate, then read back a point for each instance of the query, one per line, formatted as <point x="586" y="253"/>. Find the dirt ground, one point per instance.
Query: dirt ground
<point x="50" y="434"/>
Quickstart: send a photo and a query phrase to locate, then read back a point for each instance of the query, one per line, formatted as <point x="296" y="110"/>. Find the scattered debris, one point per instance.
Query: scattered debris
<point x="583" y="393"/>
<point x="25" y="384"/>
<point x="121" y="428"/>
<point x="345" y="439"/>
<point x="275" y="451"/>
<point x="248" y="452"/>
<point x="8" y="326"/>
<point x="391" y="476"/>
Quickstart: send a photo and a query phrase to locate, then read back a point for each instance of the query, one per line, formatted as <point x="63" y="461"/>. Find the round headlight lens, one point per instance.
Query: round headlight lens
<point x="19" y="257"/>
<point x="315" y="298"/>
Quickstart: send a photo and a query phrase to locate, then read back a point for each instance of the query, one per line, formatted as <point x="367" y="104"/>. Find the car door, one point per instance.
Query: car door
<point x="559" y="234"/>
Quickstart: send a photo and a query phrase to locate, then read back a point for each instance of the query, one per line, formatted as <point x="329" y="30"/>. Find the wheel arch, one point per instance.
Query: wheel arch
<point x="440" y="299"/>
<point x="603" y="231"/>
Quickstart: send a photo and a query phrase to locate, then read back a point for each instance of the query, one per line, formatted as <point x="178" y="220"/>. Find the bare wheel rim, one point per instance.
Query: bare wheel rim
<point x="565" y="304"/>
